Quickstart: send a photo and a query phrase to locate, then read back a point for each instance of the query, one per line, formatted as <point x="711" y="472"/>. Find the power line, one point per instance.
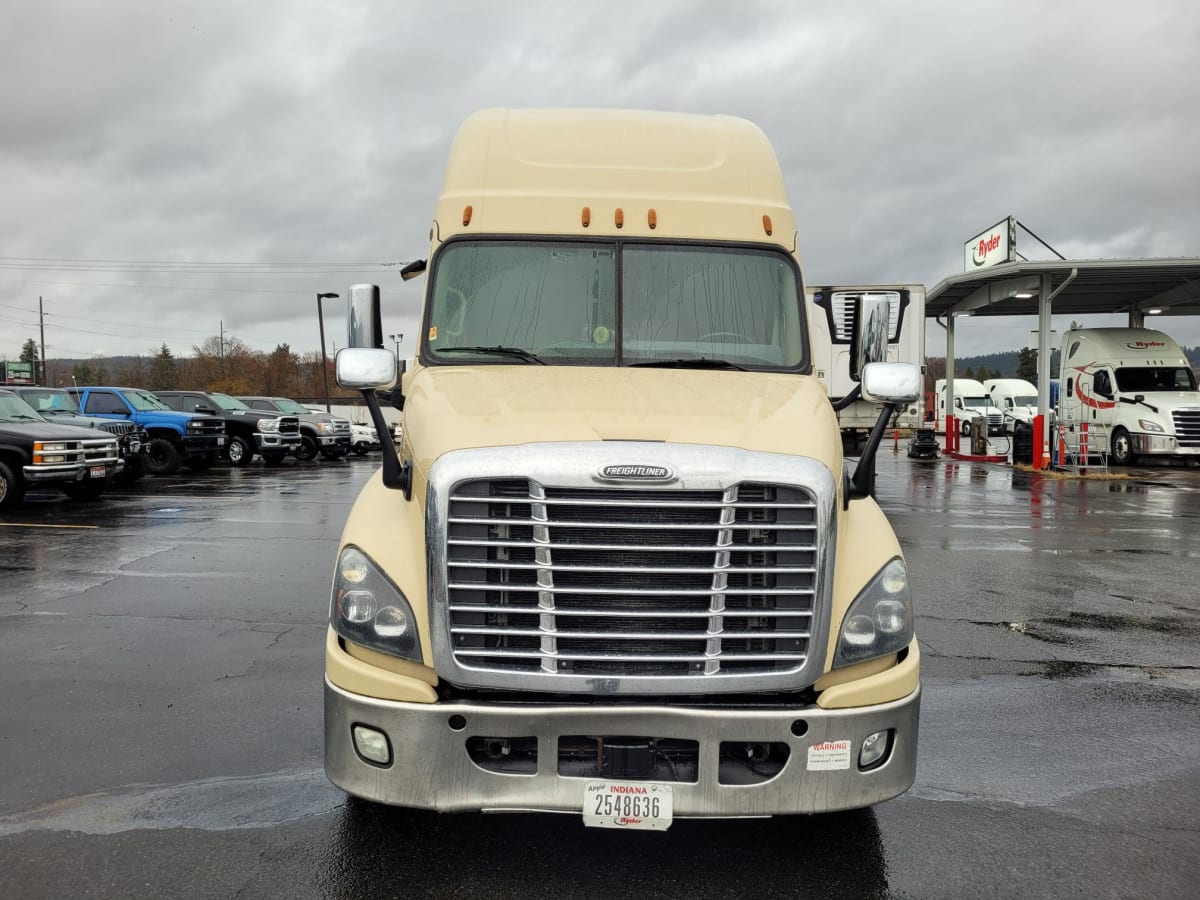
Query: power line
<point x="155" y="287"/>
<point x="118" y="324"/>
<point x="189" y="262"/>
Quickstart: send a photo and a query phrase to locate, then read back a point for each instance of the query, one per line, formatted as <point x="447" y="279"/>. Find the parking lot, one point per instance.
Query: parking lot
<point x="160" y="727"/>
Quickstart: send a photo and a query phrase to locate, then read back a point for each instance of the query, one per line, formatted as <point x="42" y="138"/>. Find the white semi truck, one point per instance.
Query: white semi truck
<point x="970" y="400"/>
<point x="1135" y="390"/>
<point x="1016" y="399"/>
<point x="831" y="316"/>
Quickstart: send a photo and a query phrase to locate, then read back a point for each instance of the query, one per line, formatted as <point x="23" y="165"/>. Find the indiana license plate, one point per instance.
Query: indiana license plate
<point x="628" y="804"/>
<point x="96" y="472"/>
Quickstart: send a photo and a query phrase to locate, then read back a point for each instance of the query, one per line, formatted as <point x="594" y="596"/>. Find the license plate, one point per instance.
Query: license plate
<point x="96" y="472"/>
<point x="628" y="804"/>
<point x="220" y="442"/>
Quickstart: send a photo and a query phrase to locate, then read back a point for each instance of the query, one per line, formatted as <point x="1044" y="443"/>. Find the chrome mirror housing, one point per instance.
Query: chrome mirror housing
<point x="365" y="369"/>
<point x="891" y="382"/>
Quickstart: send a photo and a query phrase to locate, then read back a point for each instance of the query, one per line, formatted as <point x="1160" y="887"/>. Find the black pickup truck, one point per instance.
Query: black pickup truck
<point x="56" y="405"/>
<point x="248" y="431"/>
<point x="34" y="451"/>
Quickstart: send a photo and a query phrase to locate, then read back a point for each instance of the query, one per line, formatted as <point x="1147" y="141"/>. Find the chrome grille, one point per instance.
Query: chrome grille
<point x="206" y="425"/>
<point x="289" y="425"/>
<point x="341" y="427"/>
<point x="995" y="421"/>
<point x="1187" y="427"/>
<point x="114" y="427"/>
<point x="600" y="581"/>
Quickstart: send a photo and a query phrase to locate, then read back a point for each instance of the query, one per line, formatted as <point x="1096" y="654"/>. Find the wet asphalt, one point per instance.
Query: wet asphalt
<point x="160" y="718"/>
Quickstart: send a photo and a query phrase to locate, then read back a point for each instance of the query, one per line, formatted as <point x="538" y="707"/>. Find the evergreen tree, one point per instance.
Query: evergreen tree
<point x="163" y="373"/>
<point x="29" y="353"/>
<point x="1027" y="361"/>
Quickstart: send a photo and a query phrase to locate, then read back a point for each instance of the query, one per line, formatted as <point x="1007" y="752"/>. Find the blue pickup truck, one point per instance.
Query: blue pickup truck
<point x="175" y="438"/>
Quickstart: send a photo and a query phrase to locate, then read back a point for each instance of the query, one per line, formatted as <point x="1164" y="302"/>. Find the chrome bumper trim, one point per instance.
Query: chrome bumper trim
<point x="431" y="769"/>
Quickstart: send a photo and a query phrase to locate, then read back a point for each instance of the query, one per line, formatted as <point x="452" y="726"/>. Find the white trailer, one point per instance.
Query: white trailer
<point x="1016" y="399"/>
<point x="970" y="400"/>
<point x="831" y="319"/>
<point x="1135" y="390"/>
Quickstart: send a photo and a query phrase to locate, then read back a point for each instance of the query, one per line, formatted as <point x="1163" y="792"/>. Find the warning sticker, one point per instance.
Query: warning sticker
<point x="433" y="332"/>
<point x="829" y="755"/>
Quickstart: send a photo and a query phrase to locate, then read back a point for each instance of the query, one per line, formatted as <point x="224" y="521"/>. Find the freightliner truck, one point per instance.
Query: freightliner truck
<point x="615" y="567"/>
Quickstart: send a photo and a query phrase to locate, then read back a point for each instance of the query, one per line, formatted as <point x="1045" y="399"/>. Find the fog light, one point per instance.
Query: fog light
<point x="358" y="606"/>
<point x="372" y="745"/>
<point x="873" y="749"/>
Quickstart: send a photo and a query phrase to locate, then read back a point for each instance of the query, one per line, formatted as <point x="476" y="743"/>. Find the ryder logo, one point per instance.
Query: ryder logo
<point x="985" y="246"/>
<point x="1144" y="345"/>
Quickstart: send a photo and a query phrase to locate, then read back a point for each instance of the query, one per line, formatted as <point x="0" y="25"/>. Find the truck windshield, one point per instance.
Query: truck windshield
<point x="1025" y="401"/>
<point x="975" y="401"/>
<point x="50" y="401"/>
<point x="141" y="401"/>
<point x="225" y="402"/>
<point x="563" y="303"/>
<point x="14" y="409"/>
<point x="1150" y="378"/>
<point x="290" y="406"/>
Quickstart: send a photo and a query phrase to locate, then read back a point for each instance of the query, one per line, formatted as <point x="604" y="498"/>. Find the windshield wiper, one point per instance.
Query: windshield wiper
<point x="16" y="416"/>
<point x="700" y="362"/>
<point x="505" y="351"/>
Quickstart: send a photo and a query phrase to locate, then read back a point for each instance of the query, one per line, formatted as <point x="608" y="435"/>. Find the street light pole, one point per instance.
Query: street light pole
<point x="324" y="358"/>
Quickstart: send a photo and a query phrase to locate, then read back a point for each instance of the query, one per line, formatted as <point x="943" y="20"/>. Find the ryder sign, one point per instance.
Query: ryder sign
<point x="991" y="247"/>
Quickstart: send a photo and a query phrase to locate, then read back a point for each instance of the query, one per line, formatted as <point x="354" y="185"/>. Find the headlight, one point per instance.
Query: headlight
<point x="880" y="620"/>
<point x="49" y="446"/>
<point x="268" y="426"/>
<point x="325" y="426"/>
<point x="369" y="610"/>
<point x="1147" y="425"/>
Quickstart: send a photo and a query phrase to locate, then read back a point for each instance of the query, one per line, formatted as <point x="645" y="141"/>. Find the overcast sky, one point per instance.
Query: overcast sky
<point x="192" y="139"/>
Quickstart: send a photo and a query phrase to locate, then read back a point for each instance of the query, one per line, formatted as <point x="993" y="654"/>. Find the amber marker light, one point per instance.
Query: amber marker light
<point x="652" y="219"/>
<point x="586" y="216"/>
<point x="619" y="217"/>
<point x="467" y="210"/>
<point x="767" y="225"/>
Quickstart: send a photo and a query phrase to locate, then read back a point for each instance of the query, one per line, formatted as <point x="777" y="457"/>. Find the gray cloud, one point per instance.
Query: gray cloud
<point x="281" y="132"/>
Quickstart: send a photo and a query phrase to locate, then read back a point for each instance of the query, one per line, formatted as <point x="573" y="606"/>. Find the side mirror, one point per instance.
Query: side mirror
<point x="365" y="325"/>
<point x="891" y="382"/>
<point x="364" y="369"/>
<point x="869" y="340"/>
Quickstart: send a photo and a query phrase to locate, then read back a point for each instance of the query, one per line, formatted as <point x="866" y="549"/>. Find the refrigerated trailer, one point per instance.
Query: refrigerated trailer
<point x="832" y="320"/>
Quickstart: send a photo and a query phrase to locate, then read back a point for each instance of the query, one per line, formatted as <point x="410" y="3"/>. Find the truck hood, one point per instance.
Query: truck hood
<point x="1166" y="401"/>
<point x="456" y="407"/>
<point x="48" y="431"/>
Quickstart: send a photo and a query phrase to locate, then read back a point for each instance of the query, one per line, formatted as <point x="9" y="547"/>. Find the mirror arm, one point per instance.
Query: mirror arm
<point x="855" y="394"/>
<point x="395" y="476"/>
<point x="863" y="481"/>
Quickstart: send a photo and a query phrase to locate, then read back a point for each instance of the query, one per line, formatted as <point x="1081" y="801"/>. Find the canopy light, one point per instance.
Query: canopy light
<point x="1154" y="312"/>
<point x="1023" y="295"/>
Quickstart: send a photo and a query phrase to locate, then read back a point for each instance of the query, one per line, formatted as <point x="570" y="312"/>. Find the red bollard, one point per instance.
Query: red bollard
<point x="1039" y="446"/>
<point x="896" y="439"/>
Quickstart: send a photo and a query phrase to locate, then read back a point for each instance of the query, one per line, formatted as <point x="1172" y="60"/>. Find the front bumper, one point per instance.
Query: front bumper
<point x="71" y="471"/>
<point x="431" y="768"/>
<point x="1159" y="445"/>
<point x="333" y="440"/>
<point x="268" y="441"/>
<point x="202" y="443"/>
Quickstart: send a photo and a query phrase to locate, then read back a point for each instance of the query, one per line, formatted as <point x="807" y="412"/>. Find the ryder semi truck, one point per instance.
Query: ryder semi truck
<point x="616" y="566"/>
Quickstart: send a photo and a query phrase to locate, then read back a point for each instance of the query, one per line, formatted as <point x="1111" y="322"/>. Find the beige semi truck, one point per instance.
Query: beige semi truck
<point x="615" y="566"/>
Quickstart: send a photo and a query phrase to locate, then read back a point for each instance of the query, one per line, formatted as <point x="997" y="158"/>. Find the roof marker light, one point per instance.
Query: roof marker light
<point x="467" y="210"/>
<point x="586" y="217"/>
<point x="767" y="225"/>
<point x="619" y="217"/>
<point x="1023" y="295"/>
<point x="652" y="219"/>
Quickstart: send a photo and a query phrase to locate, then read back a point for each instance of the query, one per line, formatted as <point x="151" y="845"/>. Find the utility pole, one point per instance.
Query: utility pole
<point x="221" y="325"/>
<point x="42" y="325"/>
